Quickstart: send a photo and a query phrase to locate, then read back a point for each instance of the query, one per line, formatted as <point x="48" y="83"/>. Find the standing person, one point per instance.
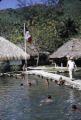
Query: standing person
<point x="71" y="67"/>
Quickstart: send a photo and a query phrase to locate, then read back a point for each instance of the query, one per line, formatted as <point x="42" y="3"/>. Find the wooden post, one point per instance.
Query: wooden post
<point x="25" y="48"/>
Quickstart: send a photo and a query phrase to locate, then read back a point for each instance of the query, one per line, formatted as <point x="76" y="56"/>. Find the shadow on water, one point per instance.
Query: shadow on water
<point x="22" y="102"/>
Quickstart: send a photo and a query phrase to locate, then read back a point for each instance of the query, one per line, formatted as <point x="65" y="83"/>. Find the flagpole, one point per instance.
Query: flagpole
<point x="25" y="48"/>
<point x="26" y="77"/>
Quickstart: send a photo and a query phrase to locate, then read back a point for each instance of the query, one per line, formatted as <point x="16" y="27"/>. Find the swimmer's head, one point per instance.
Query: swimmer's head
<point x="74" y="107"/>
<point x="21" y="84"/>
<point x="30" y="84"/>
<point x="49" y="96"/>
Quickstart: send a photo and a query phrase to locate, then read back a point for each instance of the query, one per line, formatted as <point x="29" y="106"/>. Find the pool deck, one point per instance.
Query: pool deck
<point x="59" y="79"/>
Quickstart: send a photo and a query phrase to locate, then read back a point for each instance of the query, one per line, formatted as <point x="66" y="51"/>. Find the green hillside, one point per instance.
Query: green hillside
<point x="72" y="8"/>
<point x="50" y="26"/>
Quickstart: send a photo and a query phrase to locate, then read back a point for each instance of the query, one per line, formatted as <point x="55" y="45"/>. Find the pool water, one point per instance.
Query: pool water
<point x="19" y="101"/>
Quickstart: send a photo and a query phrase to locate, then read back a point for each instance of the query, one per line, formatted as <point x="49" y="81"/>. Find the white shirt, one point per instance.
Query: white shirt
<point x="71" y="64"/>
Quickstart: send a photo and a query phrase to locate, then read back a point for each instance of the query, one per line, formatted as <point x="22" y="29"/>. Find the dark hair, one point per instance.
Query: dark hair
<point x="74" y="107"/>
<point x="49" y="96"/>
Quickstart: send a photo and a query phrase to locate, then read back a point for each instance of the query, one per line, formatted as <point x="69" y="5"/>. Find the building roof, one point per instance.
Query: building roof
<point x="31" y="49"/>
<point x="70" y="48"/>
<point x="9" y="51"/>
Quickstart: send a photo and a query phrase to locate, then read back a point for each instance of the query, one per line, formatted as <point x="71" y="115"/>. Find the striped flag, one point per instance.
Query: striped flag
<point x="28" y="37"/>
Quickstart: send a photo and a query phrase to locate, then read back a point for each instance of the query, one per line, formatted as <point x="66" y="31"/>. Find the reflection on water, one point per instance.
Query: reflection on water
<point x="77" y="74"/>
<point x="71" y="97"/>
<point x="22" y="102"/>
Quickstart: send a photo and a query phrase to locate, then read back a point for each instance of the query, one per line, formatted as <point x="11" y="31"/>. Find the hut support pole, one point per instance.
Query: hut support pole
<point x="61" y="64"/>
<point x="55" y="65"/>
<point x="38" y="59"/>
<point x="25" y="48"/>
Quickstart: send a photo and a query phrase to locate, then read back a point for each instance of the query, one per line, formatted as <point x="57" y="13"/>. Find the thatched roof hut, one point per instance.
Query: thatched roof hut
<point x="9" y="51"/>
<point x="31" y="49"/>
<point x="70" y="48"/>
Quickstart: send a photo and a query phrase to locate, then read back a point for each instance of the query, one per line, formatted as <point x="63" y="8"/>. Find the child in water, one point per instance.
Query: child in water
<point x="75" y="108"/>
<point x="47" y="100"/>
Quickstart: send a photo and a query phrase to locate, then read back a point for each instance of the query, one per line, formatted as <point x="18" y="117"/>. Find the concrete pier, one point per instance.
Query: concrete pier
<point x="56" y="78"/>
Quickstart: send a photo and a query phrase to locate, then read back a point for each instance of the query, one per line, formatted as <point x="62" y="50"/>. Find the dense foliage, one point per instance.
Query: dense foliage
<point x="49" y="25"/>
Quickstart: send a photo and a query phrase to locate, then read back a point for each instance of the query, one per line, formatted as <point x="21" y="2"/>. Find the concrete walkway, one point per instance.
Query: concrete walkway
<point x="59" y="79"/>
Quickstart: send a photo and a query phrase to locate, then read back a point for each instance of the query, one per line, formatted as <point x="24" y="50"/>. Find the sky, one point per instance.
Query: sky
<point x="4" y="4"/>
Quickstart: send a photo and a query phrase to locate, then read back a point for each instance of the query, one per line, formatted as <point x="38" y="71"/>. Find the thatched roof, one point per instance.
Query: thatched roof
<point x="9" y="51"/>
<point x="70" y="48"/>
<point x="31" y="49"/>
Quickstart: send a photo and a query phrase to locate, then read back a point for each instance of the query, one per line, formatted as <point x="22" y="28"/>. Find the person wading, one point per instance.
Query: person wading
<point x="71" y="67"/>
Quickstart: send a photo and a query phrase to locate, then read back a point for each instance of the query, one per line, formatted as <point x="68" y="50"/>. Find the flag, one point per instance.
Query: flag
<point x="28" y="37"/>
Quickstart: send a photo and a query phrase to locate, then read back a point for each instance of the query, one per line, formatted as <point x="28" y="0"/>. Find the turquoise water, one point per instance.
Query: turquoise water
<point x="18" y="101"/>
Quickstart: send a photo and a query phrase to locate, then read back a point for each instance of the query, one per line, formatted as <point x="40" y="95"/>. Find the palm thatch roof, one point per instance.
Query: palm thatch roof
<point x="9" y="51"/>
<point x="31" y="49"/>
<point x="70" y="48"/>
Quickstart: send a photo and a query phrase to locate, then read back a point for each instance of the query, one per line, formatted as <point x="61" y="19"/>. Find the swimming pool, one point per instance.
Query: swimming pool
<point x="19" y="101"/>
